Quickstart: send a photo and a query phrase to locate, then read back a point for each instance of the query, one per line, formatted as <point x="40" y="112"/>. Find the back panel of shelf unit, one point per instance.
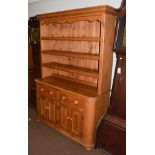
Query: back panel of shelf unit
<point x="84" y="63"/>
<point x="77" y="77"/>
<point x="73" y="46"/>
<point x="77" y="29"/>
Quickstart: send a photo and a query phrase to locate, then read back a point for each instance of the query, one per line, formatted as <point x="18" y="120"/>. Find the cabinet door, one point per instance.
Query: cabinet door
<point x="64" y="112"/>
<point x="76" y="122"/>
<point x="45" y="107"/>
<point x="77" y="117"/>
<point x="42" y="103"/>
<point x="47" y="104"/>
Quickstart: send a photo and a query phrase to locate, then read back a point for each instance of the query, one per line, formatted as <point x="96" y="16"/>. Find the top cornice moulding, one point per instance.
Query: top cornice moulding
<point x="93" y="10"/>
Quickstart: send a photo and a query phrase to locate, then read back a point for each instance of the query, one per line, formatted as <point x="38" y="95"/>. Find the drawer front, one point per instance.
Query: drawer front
<point x="47" y="91"/>
<point x="71" y="100"/>
<point x="43" y="89"/>
<point x="77" y="102"/>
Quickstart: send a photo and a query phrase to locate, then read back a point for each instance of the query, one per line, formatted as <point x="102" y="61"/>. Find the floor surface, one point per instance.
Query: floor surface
<point x="43" y="140"/>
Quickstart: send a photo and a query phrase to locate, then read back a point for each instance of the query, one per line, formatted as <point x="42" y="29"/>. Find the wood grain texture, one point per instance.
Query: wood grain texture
<point x="73" y="46"/>
<point x="105" y="66"/>
<point x="77" y="88"/>
<point x="90" y="39"/>
<point x="78" y="80"/>
<point x="77" y="29"/>
<point x="90" y="14"/>
<point x="72" y="69"/>
<point x="72" y="54"/>
<point x="73" y="61"/>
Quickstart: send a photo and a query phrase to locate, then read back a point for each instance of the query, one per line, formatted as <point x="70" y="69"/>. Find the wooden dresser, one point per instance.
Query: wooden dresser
<point x="76" y="64"/>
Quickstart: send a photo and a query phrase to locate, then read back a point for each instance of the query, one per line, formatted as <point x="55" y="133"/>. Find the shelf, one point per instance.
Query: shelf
<point x="70" y="86"/>
<point x="76" y="80"/>
<point x="72" y="54"/>
<point x="92" y="39"/>
<point x="72" y="69"/>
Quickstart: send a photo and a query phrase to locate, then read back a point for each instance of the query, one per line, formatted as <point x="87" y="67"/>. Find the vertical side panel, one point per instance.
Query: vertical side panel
<point x="106" y="53"/>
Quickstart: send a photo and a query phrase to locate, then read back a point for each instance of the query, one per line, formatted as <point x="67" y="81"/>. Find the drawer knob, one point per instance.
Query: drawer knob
<point x="76" y="102"/>
<point x="46" y="107"/>
<point x="42" y="89"/>
<point x="63" y="97"/>
<point x="68" y="117"/>
<point x="51" y="92"/>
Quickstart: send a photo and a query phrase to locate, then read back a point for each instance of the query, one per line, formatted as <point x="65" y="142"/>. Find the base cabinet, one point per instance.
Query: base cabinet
<point x="60" y="109"/>
<point x="71" y="114"/>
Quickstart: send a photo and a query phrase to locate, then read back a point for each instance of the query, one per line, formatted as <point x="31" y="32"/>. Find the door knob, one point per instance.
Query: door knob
<point x="76" y="102"/>
<point x="63" y="97"/>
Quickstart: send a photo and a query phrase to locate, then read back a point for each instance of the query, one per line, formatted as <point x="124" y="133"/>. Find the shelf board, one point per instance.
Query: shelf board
<point x="71" y="86"/>
<point x="92" y="39"/>
<point x="75" y="80"/>
<point x="72" y="69"/>
<point x="72" y="54"/>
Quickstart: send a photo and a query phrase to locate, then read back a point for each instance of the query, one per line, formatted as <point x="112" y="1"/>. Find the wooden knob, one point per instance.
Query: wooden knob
<point x="46" y="107"/>
<point x="76" y="102"/>
<point x="63" y="97"/>
<point x="42" y="89"/>
<point x="68" y="117"/>
<point x="51" y="92"/>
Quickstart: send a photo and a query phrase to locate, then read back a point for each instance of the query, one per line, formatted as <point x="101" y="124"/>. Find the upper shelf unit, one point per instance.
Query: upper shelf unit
<point x="77" y="44"/>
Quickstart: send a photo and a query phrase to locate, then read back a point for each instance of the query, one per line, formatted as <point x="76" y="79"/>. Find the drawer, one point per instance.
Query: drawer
<point x="77" y="102"/>
<point x="45" y="90"/>
<point x="71" y="100"/>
